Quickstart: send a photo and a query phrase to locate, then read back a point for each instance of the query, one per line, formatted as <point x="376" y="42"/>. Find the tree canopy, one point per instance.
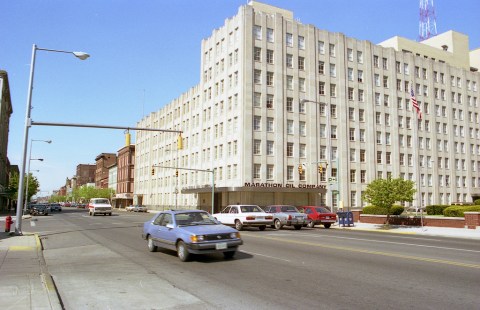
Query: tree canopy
<point x="385" y="193"/>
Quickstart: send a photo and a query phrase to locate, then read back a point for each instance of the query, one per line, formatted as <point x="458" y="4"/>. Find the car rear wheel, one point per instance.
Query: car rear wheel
<point x="311" y="224"/>
<point x="182" y="251"/>
<point x="228" y="255"/>
<point x="327" y="225"/>
<point x="277" y="224"/>
<point x="151" y="246"/>
<point x="262" y="228"/>
<point x="238" y="225"/>
<point x="297" y="227"/>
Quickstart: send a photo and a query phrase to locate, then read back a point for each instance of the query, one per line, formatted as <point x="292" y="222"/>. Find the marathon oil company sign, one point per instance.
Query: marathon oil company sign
<point x="280" y="185"/>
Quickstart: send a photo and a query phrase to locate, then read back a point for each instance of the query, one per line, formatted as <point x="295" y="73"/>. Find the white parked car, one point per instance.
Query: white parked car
<point x="136" y="208"/>
<point x="99" y="206"/>
<point x="244" y="216"/>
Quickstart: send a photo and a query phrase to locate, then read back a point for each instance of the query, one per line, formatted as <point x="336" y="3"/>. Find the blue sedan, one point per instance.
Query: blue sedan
<point x="190" y="232"/>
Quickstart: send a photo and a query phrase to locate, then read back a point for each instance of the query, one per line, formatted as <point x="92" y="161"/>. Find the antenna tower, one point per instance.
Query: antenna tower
<point x="427" y="27"/>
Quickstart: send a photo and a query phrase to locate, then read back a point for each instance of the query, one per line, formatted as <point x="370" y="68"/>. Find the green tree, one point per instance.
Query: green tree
<point x="384" y="193"/>
<point x="33" y="186"/>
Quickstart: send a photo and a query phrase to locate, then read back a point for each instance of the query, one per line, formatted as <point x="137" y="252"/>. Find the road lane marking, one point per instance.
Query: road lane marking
<point x="417" y="258"/>
<point x="391" y="242"/>
<point x="252" y="253"/>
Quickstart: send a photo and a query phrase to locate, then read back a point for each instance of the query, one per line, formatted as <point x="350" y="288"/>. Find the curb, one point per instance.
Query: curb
<point x="378" y="230"/>
<point x="47" y="279"/>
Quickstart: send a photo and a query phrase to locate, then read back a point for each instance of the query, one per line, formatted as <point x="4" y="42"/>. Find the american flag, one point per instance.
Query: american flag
<point x="415" y="103"/>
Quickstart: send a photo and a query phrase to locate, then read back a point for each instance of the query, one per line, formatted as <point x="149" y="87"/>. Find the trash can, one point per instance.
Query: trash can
<point x="345" y="218"/>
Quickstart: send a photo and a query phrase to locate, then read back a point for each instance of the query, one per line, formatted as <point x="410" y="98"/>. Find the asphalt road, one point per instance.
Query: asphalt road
<point x="103" y="263"/>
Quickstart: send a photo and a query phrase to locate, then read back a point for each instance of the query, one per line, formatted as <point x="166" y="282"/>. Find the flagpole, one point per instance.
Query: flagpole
<point x="417" y="110"/>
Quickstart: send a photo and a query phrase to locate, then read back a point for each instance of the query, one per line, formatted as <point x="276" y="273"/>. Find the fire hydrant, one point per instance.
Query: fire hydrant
<point x="8" y="223"/>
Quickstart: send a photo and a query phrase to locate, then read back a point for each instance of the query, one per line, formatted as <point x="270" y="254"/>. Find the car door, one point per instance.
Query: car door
<point x="167" y="235"/>
<point x="223" y="215"/>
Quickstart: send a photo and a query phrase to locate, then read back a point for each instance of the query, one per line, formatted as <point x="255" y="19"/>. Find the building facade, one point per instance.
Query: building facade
<point x="125" y="176"/>
<point x="5" y="113"/>
<point x="286" y="113"/>
<point x="102" y="163"/>
<point x="85" y="174"/>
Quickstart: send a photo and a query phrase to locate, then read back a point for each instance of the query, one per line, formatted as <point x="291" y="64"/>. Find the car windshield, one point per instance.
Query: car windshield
<point x="194" y="218"/>
<point x="250" y="209"/>
<point x="322" y="210"/>
<point x="100" y="201"/>
<point x="289" y="209"/>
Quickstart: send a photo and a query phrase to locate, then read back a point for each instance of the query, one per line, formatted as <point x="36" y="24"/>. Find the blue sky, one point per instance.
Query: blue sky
<point x="144" y="54"/>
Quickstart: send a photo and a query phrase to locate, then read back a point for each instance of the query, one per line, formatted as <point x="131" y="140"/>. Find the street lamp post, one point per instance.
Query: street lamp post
<point x="28" y="170"/>
<point x="80" y="55"/>
<point x="26" y="186"/>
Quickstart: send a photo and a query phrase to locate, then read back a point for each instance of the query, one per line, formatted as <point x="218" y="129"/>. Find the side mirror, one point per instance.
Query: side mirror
<point x="170" y="226"/>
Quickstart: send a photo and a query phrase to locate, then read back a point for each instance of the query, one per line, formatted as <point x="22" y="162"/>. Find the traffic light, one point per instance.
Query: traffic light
<point x="153" y="171"/>
<point x="176" y="173"/>
<point x="300" y="169"/>
<point x="320" y="169"/>
<point x="180" y="142"/>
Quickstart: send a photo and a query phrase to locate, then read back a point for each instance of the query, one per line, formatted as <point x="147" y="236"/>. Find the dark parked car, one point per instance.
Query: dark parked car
<point x="55" y="207"/>
<point x="319" y="216"/>
<point x="190" y="232"/>
<point x="39" y="210"/>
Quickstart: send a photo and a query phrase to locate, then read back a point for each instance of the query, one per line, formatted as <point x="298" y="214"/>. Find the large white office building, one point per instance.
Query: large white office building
<point x="276" y="94"/>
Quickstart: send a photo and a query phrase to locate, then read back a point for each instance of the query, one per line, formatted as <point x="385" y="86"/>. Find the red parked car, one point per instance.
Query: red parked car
<point x="319" y="216"/>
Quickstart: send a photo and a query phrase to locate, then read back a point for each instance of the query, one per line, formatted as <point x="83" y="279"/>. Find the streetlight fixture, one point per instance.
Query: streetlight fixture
<point x="28" y="123"/>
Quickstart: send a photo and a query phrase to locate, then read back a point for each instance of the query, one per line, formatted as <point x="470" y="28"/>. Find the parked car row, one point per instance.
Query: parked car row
<point x="43" y="208"/>
<point x="275" y="216"/>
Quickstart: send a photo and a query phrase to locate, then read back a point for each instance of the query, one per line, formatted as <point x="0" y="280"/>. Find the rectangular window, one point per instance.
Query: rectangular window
<point x="270" y="35"/>
<point x="257" y="146"/>
<point x="257" y="99"/>
<point x="270" y="124"/>
<point x="257" y="32"/>
<point x="269" y="101"/>
<point x="349" y="54"/>
<point x="270" y="172"/>
<point x="302" y="151"/>
<point x="270" y="148"/>
<point x="257" y="123"/>
<point x="321" y="88"/>
<point x="363" y="157"/>
<point x="290" y="127"/>
<point x="257" y="76"/>
<point x="321" y="67"/>
<point x="289" y="61"/>
<point x="301" y="42"/>
<point x="289" y="39"/>
<point x="269" y="78"/>
<point x="257" y="54"/>
<point x="270" y="56"/>
<point x="333" y="70"/>
<point x="360" y="57"/>
<point x="331" y="49"/>
<point x="257" y="168"/>
<point x="301" y="63"/>
<point x="333" y="90"/>
<point x="290" y="82"/>
<point x="302" y="129"/>
<point x="321" y="47"/>
<point x="289" y="173"/>
<point x="289" y="149"/>
<point x="289" y="104"/>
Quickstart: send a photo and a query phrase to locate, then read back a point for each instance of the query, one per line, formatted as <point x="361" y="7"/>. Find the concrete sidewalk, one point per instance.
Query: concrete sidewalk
<point x="24" y="282"/>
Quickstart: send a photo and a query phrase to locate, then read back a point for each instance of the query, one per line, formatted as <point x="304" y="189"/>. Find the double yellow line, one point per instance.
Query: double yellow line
<point x="349" y="249"/>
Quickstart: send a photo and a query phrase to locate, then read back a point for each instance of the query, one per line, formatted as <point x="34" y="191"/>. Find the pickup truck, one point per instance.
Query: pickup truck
<point x="99" y="206"/>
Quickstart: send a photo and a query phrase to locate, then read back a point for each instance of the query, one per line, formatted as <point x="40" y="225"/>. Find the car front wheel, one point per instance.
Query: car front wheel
<point x="277" y="224"/>
<point x="238" y="225"/>
<point x="182" y="251"/>
<point x="327" y="225"/>
<point x="151" y="246"/>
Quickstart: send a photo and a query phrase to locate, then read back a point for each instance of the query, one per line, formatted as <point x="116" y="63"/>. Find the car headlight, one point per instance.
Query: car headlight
<point x="196" y="238"/>
<point x="235" y="235"/>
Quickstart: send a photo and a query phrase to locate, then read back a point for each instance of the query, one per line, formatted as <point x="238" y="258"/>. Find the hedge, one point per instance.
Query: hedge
<point x="394" y="210"/>
<point x="436" y="209"/>
<point x="457" y="211"/>
<point x="477" y="202"/>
